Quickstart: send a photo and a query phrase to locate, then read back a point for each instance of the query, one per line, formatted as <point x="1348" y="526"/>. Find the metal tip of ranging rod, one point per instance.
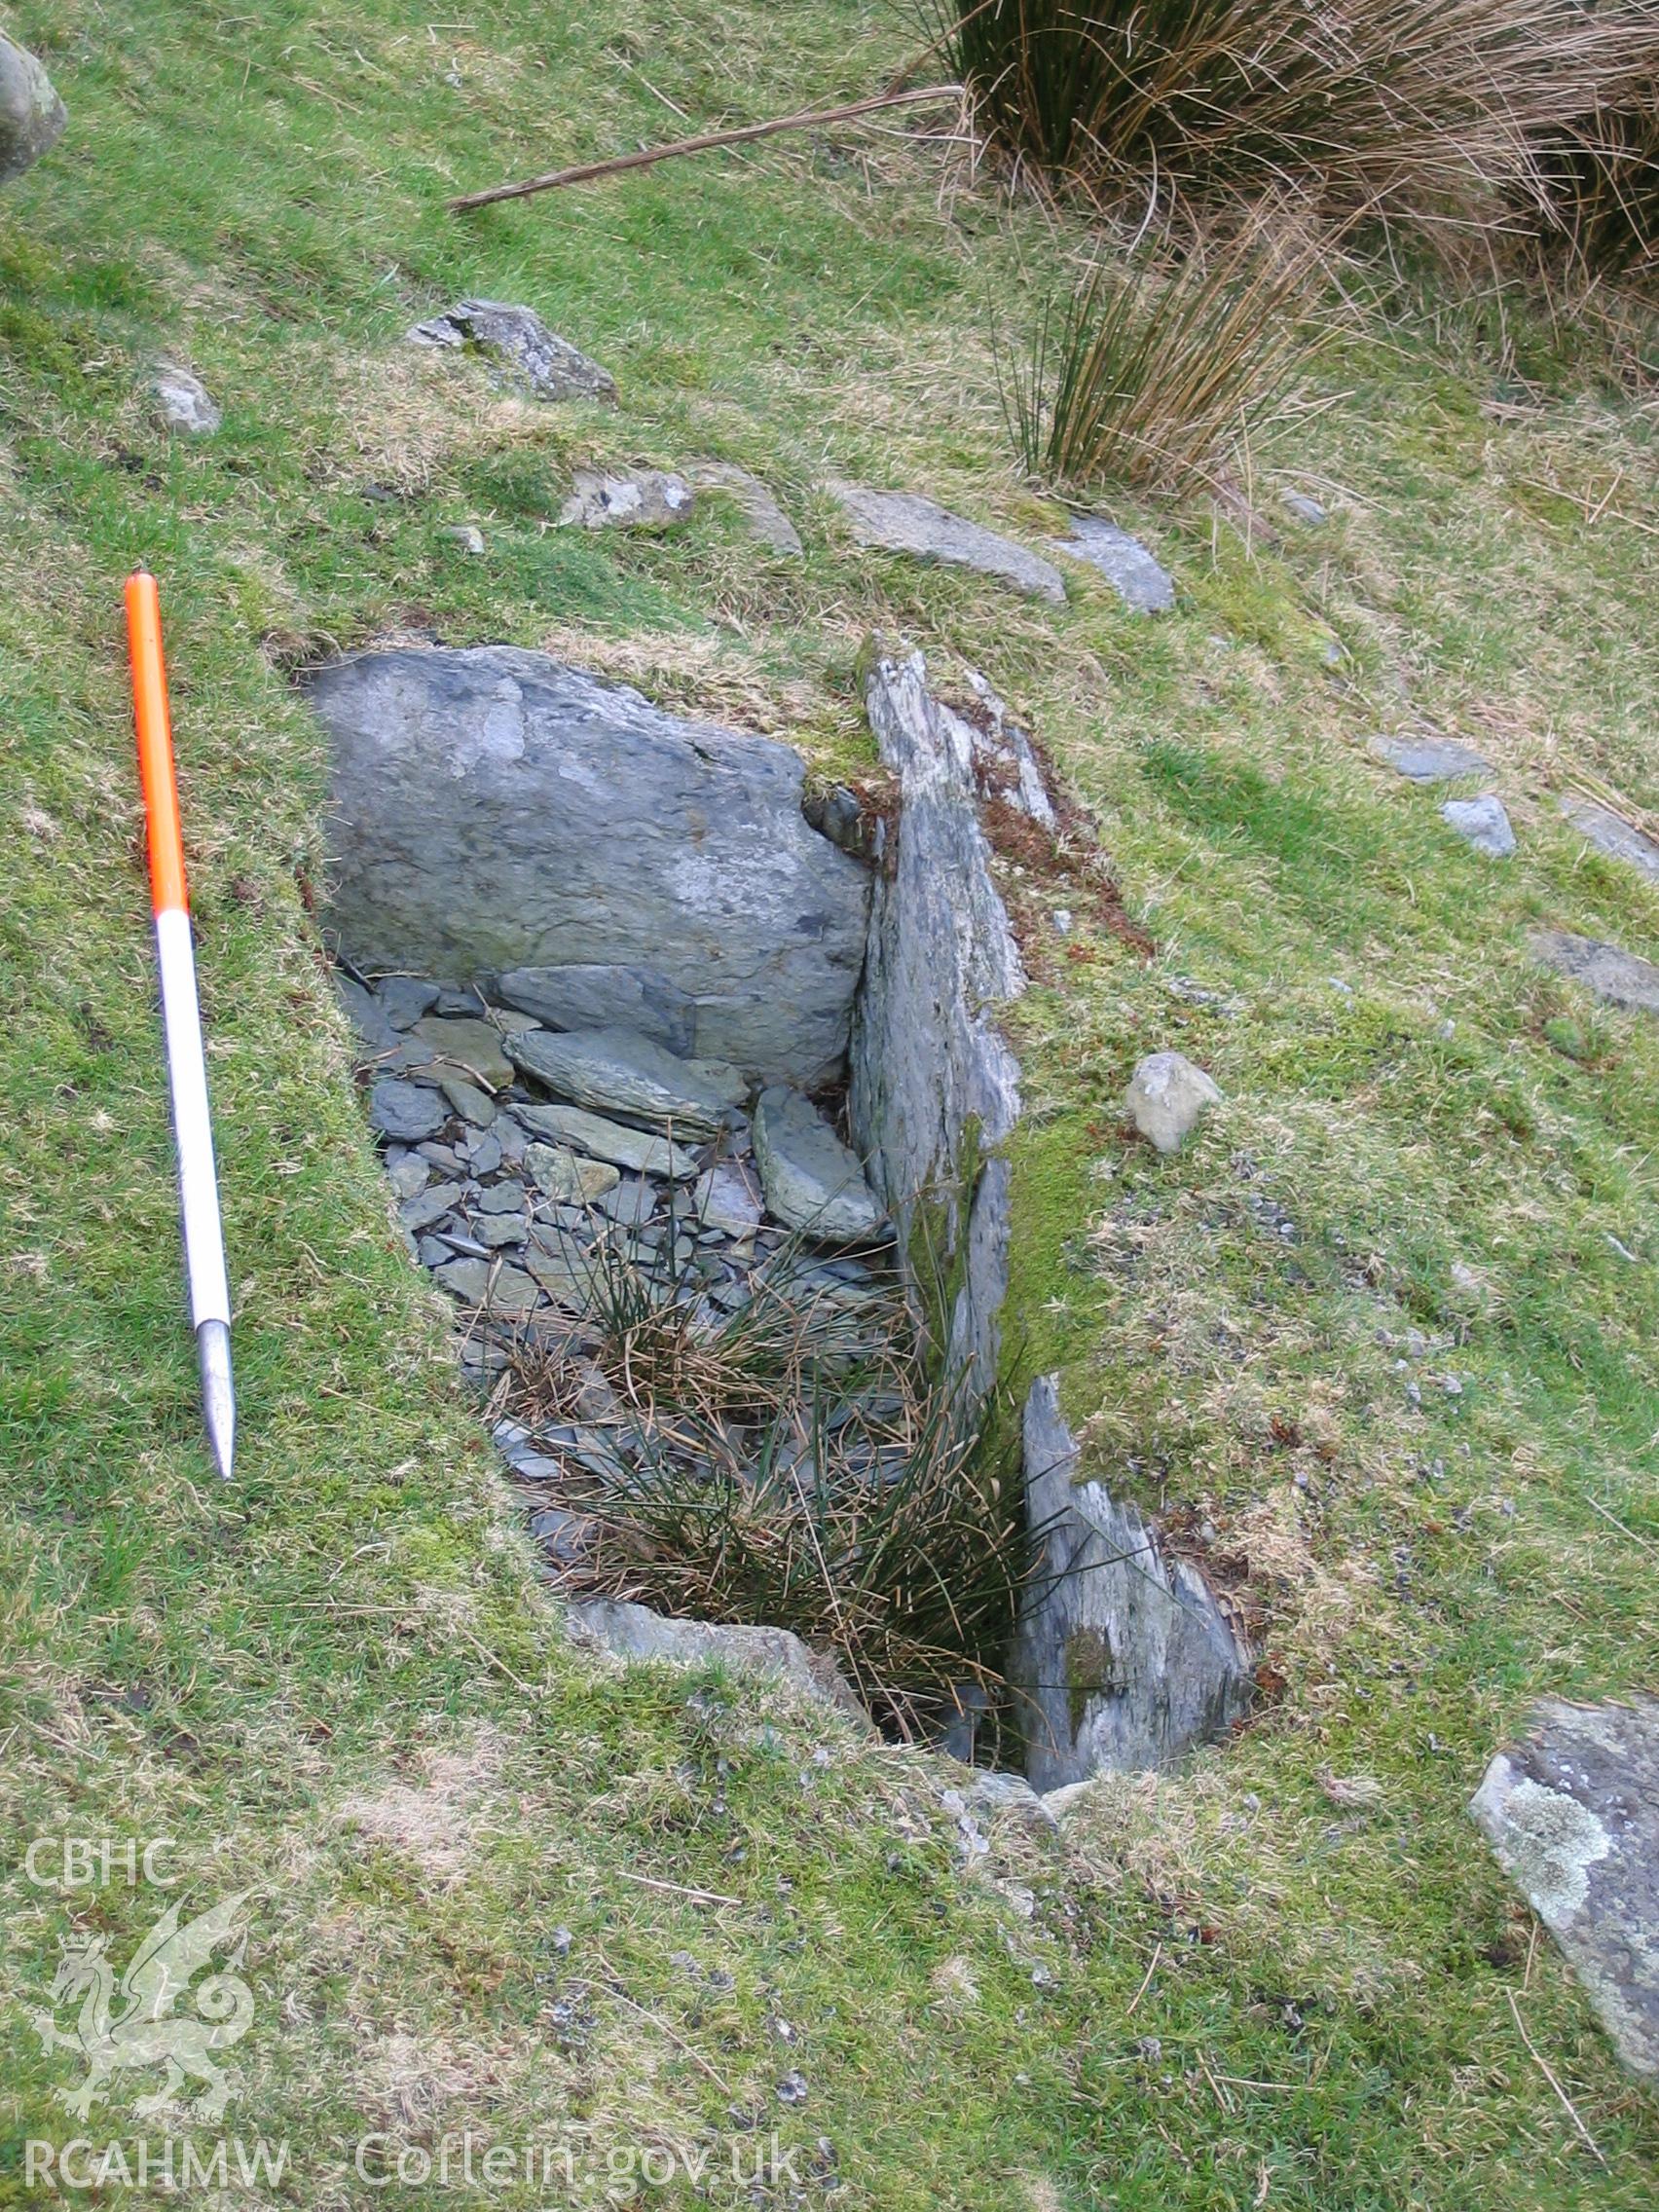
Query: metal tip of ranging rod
<point x="218" y="1394"/>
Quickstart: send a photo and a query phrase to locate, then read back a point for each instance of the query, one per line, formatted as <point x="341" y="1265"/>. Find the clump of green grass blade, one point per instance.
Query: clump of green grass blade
<point x="1398" y="104"/>
<point x="1152" y="364"/>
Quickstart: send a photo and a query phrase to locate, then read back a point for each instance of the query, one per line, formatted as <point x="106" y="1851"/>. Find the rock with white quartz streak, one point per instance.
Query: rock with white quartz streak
<point x="1167" y="1098"/>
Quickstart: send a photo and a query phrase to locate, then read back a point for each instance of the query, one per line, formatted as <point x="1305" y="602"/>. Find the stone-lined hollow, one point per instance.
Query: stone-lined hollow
<point x="680" y="956"/>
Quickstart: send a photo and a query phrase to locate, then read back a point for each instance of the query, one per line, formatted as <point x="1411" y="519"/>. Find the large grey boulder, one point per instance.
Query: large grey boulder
<point x="550" y="365"/>
<point x="1572" y="1815"/>
<point x="1611" y="833"/>
<point x="32" y="117"/>
<point x="1139" y="581"/>
<point x="1623" y="979"/>
<point x="811" y="1181"/>
<point x="616" y="1071"/>
<point x="1124" y="1659"/>
<point x="636" y="1633"/>
<point x="494" y="810"/>
<point x="905" y="522"/>
<point x="936" y="1090"/>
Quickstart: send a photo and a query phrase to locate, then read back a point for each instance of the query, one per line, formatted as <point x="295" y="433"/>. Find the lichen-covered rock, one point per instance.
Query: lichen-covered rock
<point x="646" y="498"/>
<point x="494" y="810"/>
<point x="1168" y="1097"/>
<point x="936" y="1088"/>
<point x="811" y="1181"/>
<point x="32" y="117"/>
<point x="1623" y="979"/>
<point x="184" y="400"/>
<point x="549" y="364"/>
<point x="557" y="1173"/>
<point x="1572" y="1815"/>
<point x="1124" y="1659"/>
<point x="905" y="522"/>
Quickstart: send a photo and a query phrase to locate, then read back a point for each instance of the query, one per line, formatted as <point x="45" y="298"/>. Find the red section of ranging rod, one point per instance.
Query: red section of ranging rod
<point x="187" y="1066"/>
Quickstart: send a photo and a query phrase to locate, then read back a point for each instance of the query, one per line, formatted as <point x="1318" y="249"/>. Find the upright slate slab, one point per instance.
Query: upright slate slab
<point x="496" y="810"/>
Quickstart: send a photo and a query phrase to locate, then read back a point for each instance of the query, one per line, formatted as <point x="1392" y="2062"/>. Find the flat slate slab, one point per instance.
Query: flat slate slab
<point x="1138" y="580"/>
<point x="810" y="1179"/>
<point x="1572" y="1815"/>
<point x="1427" y="759"/>
<point x="1623" y="979"/>
<point x="617" y="1071"/>
<point x="905" y="522"/>
<point x="1612" y="834"/>
<point x="607" y="1140"/>
<point x="597" y="994"/>
<point x="495" y="811"/>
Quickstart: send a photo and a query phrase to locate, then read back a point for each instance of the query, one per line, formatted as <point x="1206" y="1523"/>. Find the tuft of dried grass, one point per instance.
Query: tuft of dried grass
<point x="793" y="1464"/>
<point x="1401" y="104"/>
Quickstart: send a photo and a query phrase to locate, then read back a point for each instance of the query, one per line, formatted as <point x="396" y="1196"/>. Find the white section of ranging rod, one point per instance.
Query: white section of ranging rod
<point x="197" y="1180"/>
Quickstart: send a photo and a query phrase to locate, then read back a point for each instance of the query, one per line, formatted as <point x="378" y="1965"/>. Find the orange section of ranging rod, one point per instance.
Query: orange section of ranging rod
<point x="154" y="743"/>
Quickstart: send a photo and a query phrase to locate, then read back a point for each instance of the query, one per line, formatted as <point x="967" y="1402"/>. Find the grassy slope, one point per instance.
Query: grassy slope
<point x="355" y="1622"/>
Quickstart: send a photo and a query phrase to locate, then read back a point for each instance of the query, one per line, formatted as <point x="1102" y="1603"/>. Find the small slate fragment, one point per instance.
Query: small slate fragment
<point x="550" y="365"/>
<point x="404" y="999"/>
<point x="566" y="1180"/>
<point x="1305" y="509"/>
<point x="617" y="1071"/>
<point x="363" y="1010"/>
<point x="474" y="1105"/>
<point x="1612" y="834"/>
<point x="905" y="522"/>
<point x="1482" y="823"/>
<point x="1572" y="1815"/>
<point x="1427" y="759"/>
<point x="606" y="995"/>
<point x="1623" y="979"/>
<point x="1167" y="1098"/>
<point x="650" y="498"/>
<point x="472" y="1046"/>
<point x="600" y="1139"/>
<point x="726" y="1198"/>
<point x="404" y="1110"/>
<point x="184" y="400"/>
<point x="1139" y="581"/>
<point x="810" y="1179"/>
